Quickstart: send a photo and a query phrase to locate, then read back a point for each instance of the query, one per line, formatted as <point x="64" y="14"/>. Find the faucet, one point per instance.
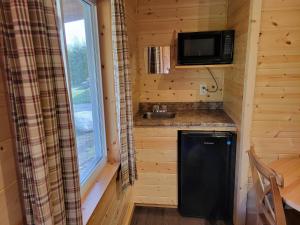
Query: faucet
<point x="156" y="108"/>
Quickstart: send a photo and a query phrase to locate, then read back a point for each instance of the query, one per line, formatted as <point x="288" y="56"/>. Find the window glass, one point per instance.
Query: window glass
<point x="82" y="63"/>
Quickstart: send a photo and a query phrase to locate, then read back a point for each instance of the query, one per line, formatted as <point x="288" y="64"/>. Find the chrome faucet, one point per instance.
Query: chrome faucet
<point x="155" y="108"/>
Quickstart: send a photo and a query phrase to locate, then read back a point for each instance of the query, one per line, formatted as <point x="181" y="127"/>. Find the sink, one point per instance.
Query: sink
<point x="159" y="115"/>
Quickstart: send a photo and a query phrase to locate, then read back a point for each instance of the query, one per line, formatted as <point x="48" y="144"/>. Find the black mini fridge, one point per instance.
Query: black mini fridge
<point x="206" y="174"/>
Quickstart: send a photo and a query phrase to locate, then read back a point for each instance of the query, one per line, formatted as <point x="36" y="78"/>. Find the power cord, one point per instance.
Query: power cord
<point x="213" y="77"/>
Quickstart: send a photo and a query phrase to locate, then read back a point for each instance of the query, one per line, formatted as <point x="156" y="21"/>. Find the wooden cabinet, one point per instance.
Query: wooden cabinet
<point x="156" y="150"/>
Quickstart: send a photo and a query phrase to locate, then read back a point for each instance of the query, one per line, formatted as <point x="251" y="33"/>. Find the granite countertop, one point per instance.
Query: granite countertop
<point x="187" y="114"/>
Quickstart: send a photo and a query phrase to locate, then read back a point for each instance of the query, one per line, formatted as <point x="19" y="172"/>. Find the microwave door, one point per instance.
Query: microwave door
<point x="202" y="48"/>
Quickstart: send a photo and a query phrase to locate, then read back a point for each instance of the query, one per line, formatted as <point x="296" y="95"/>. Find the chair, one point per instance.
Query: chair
<point x="268" y="199"/>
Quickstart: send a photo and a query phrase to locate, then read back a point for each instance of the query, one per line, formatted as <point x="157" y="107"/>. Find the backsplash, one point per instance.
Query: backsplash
<point x="181" y="86"/>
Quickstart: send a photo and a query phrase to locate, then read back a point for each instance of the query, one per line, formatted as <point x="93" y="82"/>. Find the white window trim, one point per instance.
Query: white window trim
<point x="88" y="183"/>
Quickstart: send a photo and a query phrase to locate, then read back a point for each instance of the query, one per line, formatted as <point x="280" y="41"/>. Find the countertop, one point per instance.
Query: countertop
<point x="195" y="116"/>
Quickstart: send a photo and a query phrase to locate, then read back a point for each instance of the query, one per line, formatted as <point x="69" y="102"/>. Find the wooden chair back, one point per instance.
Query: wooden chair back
<point x="268" y="199"/>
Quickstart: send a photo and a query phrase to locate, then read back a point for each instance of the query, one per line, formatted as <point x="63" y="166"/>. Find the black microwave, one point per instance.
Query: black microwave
<point x="204" y="48"/>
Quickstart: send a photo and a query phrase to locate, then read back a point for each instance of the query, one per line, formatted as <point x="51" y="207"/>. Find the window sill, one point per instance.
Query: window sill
<point x="94" y="195"/>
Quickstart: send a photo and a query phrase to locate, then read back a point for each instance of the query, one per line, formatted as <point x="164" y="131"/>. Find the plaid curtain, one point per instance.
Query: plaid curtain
<point x="123" y="87"/>
<point x="36" y="82"/>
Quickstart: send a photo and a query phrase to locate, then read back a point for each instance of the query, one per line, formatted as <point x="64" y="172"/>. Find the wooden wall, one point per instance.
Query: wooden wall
<point x="131" y="16"/>
<point x="156" y="165"/>
<point x="10" y="206"/>
<point x="158" y="24"/>
<point x="238" y="19"/>
<point x="236" y="96"/>
<point x="114" y="206"/>
<point x="276" y="120"/>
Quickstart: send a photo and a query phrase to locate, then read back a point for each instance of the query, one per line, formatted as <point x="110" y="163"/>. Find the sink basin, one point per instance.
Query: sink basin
<point x="159" y="115"/>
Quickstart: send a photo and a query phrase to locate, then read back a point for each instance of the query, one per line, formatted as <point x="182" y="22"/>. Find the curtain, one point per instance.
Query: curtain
<point x="123" y="87"/>
<point x="36" y="83"/>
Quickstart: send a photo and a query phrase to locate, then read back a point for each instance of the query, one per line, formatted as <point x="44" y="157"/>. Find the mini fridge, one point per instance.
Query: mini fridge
<point x="206" y="174"/>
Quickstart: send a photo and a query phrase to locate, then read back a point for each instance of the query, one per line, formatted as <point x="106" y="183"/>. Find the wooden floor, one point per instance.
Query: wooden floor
<point x="165" y="216"/>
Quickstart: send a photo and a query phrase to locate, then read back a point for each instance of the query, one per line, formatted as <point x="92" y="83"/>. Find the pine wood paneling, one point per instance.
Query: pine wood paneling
<point x="131" y="17"/>
<point x="11" y="212"/>
<point x="5" y="132"/>
<point x="8" y="174"/>
<point x="108" y="80"/>
<point x="10" y="205"/>
<point x="276" y="119"/>
<point x="113" y="206"/>
<point x="275" y="124"/>
<point x="156" y="152"/>
<point x="244" y="17"/>
<point x="158" y="24"/>
<point x="238" y="19"/>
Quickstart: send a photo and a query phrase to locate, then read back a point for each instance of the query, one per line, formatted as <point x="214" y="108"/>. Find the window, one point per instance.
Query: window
<point x="81" y="57"/>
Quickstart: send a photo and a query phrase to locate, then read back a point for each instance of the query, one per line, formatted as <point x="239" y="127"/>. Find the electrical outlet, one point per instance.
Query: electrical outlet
<point x="203" y="89"/>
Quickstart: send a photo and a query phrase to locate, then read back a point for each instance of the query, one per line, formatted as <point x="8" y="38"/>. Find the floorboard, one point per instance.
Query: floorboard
<point x="165" y="216"/>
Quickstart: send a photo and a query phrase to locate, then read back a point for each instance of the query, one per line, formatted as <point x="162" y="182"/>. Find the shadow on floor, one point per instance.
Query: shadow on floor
<point x="165" y="216"/>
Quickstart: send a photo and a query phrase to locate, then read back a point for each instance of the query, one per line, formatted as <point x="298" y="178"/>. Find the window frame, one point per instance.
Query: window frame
<point x="92" y="27"/>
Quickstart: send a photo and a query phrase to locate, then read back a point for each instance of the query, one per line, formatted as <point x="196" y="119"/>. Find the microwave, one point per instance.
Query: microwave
<point x="204" y="48"/>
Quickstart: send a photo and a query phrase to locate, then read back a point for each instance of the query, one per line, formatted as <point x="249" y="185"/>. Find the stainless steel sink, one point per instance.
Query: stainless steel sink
<point x="159" y="115"/>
